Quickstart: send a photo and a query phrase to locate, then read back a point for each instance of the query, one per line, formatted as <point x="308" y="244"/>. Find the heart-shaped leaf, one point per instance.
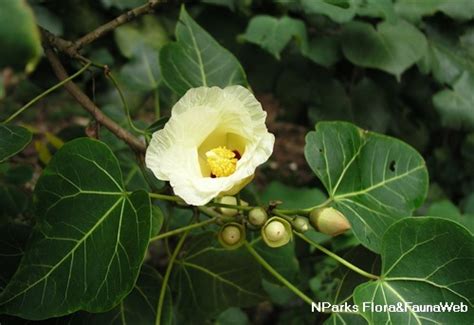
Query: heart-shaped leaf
<point x="210" y="279"/>
<point x="374" y="180"/>
<point x="196" y="59"/>
<point x="89" y="240"/>
<point x="391" y="47"/>
<point x="13" y="139"/>
<point x="456" y="105"/>
<point x="425" y="262"/>
<point x="273" y="34"/>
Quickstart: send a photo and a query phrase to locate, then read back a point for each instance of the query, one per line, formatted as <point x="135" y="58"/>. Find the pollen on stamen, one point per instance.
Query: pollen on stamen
<point x="222" y="161"/>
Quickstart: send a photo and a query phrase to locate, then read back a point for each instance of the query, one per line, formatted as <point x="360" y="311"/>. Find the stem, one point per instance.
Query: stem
<point x="338" y="258"/>
<point x="43" y="94"/>
<point x="125" y="105"/>
<point x="134" y="143"/>
<point x="180" y="230"/>
<point x="165" y="197"/>
<point x="156" y="97"/>
<point x="161" y="300"/>
<point x="116" y="22"/>
<point x="277" y="275"/>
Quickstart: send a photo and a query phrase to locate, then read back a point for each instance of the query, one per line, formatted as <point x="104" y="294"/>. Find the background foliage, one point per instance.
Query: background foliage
<point x="401" y="68"/>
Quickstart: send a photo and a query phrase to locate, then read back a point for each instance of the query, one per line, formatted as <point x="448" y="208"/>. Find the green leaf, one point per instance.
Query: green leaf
<point x="415" y="10"/>
<point x="374" y="180"/>
<point x="347" y="280"/>
<point x="209" y="279"/>
<point x="13" y="238"/>
<point x="273" y="34"/>
<point x="21" y="45"/>
<point x="122" y="4"/>
<point x="232" y="316"/>
<point x="425" y="261"/>
<point x="142" y="73"/>
<point x="341" y="11"/>
<point x="456" y="106"/>
<point x="148" y="33"/>
<point x="323" y="50"/>
<point x="139" y="307"/>
<point x="391" y="47"/>
<point x="13" y="139"/>
<point x="447" y="58"/>
<point x="196" y="59"/>
<point x="89" y="240"/>
<point x="446" y="209"/>
<point x="378" y="9"/>
<point x="282" y="259"/>
<point x="291" y="196"/>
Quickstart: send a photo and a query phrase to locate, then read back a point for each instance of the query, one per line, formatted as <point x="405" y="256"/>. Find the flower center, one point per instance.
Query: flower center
<point x="221" y="161"/>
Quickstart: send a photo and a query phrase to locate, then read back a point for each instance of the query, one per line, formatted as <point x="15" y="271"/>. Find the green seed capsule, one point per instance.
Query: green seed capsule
<point x="276" y="232"/>
<point x="329" y="221"/>
<point x="300" y="224"/>
<point x="232" y="235"/>
<point x="258" y="217"/>
<point x="231" y="200"/>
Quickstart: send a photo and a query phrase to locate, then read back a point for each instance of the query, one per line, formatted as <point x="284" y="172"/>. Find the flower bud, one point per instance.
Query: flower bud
<point x="329" y="221"/>
<point x="231" y="200"/>
<point x="300" y="224"/>
<point x="232" y="235"/>
<point x="258" y="217"/>
<point x="276" y="232"/>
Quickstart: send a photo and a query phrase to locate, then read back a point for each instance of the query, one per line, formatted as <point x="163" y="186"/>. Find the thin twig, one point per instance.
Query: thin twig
<point x="111" y="25"/>
<point x="88" y="104"/>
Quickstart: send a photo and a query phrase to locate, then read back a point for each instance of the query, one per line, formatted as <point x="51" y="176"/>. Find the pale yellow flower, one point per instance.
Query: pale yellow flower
<point x="212" y="144"/>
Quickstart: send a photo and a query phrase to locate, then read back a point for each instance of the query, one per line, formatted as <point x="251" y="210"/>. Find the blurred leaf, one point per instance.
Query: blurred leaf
<point x="13" y="201"/>
<point x="370" y="106"/>
<point x="415" y="10"/>
<point x="341" y="11"/>
<point x="142" y="73"/>
<point x="374" y="180"/>
<point x="425" y="261"/>
<point x="209" y="279"/>
<point x="157" y="219"/>
<point x="329" y="101"/>
<point x="291" y="196"/>
<point x="21" y="45"/>
<point x="13" y="139"/>
<point x="13" y="238"/>
<point x="48" y="20"/>
<point x="446" y="58"/>
<point x="123" y="4"/>
<point x="232" y="316"/>
<point x="132" y="38"/>
<point x="378" y="8"/>
<point x="456" y="106"/>
<point x="447" y="210"/>
<point x="196" y="59"/>
<point x="89" y="240"/>
<point x="139" y="307"/>
<point x="18" y="174"/>
<point x="225" y="3"/>
<point x="391" y="47"/>
<point x="274" y="34"/>
<point x="158" y="125"/>
<point x="323" y="50"/>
